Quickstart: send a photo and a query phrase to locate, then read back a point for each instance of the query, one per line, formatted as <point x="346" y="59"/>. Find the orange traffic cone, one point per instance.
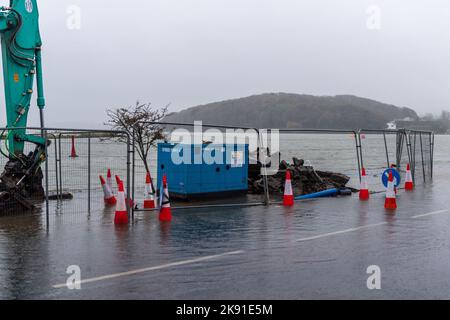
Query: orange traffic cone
<point x="391" y="202"/>
<point x="109" y="197"/>
<point x="409" y="185"/>
<point x="129" y="201"/>
<point x="118" y="180"/>
<point x="288" y="199"/>
<point x="165" y="212"/>
<point x="109" y="180"/>
<point x="149" y="194"/>
<point x="121" y="216"/>
<point x="73" y="154"/>
<point x="364" y="189"/>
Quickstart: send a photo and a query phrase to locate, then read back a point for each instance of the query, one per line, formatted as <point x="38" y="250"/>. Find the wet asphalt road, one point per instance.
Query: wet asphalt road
<point x="317" y="250"/>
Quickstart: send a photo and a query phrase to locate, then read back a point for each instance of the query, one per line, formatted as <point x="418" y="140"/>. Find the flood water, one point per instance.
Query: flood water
<point x="318" y="249"/>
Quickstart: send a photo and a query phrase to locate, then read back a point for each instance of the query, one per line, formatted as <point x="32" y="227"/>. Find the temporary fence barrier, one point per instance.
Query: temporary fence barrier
<point x="71" y="183"/>
<point x="383" y="149"/>
<point x="76" y="157"/>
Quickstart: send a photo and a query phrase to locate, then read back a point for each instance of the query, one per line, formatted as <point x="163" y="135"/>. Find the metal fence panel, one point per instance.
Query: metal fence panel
<point x="73" y="189"/>
<point x="382" y="149"/>
<point x="324" y="150"/>
<point x="421" y="146"/>
<point x="72" y="183"/>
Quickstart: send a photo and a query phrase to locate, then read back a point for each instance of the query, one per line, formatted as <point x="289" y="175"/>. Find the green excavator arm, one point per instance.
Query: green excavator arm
<point x="21" y="56"/>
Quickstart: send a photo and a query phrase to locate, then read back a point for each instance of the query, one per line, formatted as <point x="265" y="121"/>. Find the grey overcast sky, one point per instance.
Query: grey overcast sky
<point x="190" y="52"/>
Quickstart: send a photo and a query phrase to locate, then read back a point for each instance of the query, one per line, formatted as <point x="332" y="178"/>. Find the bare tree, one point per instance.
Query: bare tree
<point x="139" y="120"/>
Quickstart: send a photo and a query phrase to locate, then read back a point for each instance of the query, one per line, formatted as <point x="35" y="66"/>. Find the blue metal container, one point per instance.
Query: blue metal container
<point x="207" y="170"/>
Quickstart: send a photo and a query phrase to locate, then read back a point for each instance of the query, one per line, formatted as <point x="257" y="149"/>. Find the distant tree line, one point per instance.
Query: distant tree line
<point x="439" y="124"/>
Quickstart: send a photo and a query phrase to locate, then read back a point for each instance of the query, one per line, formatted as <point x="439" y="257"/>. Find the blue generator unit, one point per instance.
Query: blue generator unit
<point x="208" y="170"/>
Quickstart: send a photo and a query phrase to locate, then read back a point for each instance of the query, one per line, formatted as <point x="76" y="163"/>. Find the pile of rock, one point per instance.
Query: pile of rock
<point x="305" y="180"/>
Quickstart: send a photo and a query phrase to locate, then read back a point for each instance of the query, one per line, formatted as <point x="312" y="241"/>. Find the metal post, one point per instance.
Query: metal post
<point x="423" y="163"/>
<point x="358" y="146"/>
<point x="56" y="168"/>
<point x="361" y="150"/>
<point x="60" y="165"/>
<point x="89" y="172"/>
<point x="432" y="153"/>
<point x="47" y="207"/>
<point x="413" y="156"/>
<point x="408" y="147"/>
<point x="401" y="142"/>
<point x="398" y="148"/>
<point x="133" y="169"/>
<point x="386" y="150"/>
<point x="129" y="178"/>
<point x="263" y="165"/>
<point x="409" y="151"/>
<point x="258" y="159"/>
<point x="360" y="153"/>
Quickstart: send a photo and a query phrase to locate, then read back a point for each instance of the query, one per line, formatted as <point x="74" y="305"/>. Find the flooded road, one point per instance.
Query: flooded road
<point x="319" y="249"/>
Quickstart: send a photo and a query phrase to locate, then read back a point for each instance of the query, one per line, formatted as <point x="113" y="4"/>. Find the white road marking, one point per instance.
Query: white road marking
<point x="431" y="214"/>
<point x="164" y="266"/>
<point x="325" y="235"/>
<point x="181" y="263"/>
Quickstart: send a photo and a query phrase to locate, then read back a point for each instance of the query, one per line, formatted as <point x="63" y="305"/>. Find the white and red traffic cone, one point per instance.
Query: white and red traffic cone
<point x="165" y="212"/>
<point x="149" y="193"/>
<point x="109" y="180"/>
<point x="129" y="201"/>
<point x="109" y="197"/>
<point x="391" y="201"/>
<point x="409" y="184"/>
<point x="288" y="198"/>
<point x="364" y="194"/>
<point x="121" y="216"/>
<point x="118" y="180"/>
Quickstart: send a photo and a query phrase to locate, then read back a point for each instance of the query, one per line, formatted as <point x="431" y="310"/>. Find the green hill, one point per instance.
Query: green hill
<point x="283" y="110"/>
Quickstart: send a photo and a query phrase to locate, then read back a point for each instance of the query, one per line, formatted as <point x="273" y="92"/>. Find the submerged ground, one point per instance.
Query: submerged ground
<point x="319" y="249"/>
